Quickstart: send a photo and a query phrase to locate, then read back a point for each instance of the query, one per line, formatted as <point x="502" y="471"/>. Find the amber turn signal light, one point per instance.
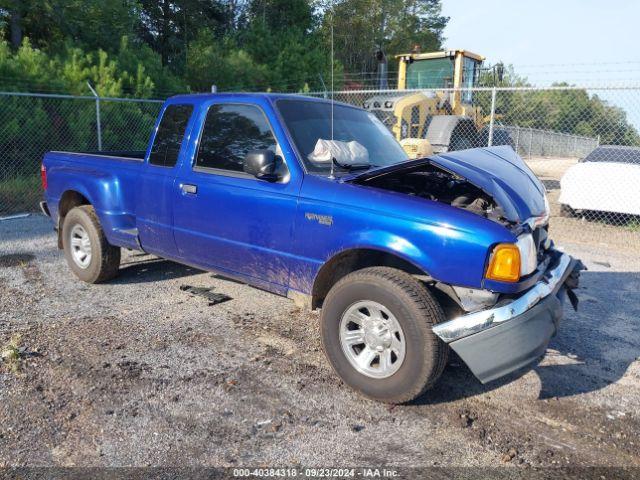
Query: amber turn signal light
<point x="504" y="264"/>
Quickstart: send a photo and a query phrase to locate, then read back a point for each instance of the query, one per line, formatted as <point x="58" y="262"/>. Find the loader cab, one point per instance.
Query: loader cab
<point x="459" y="69"/>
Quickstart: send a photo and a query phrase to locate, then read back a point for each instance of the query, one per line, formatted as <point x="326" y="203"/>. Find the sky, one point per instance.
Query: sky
<point x="579" y="41"/>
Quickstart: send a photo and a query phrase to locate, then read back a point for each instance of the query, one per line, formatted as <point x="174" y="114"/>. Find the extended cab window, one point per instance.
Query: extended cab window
<point x="229" y="133"/>
<point x="166" y="145"/>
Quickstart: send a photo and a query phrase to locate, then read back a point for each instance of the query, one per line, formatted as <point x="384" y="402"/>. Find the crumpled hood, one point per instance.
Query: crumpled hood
<point x="498" y="171"/>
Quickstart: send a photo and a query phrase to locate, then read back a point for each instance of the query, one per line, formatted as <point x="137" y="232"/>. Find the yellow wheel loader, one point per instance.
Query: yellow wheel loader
<point x="442" y="117"/>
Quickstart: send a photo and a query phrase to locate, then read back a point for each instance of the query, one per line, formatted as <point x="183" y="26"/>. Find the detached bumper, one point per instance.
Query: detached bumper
<point x="498" y="341"/>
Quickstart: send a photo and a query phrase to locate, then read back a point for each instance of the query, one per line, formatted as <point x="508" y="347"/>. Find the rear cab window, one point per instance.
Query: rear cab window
<point x="171" y="132"/>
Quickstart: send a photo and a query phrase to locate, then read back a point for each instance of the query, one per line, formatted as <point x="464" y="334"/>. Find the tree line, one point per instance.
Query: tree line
<point x="560" y="108"/>
<point x="158" y="47"/>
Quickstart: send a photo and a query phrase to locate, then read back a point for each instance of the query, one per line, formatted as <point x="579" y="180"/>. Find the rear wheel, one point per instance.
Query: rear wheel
<point x="376" y="332"/>
<point x="91" y="258"/>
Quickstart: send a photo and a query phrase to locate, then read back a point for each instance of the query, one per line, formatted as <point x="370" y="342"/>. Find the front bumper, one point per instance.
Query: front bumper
<point x="497" y="341"/>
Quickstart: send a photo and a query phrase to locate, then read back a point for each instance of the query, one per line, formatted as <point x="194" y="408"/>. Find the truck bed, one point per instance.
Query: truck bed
<point x="115" y="172"/>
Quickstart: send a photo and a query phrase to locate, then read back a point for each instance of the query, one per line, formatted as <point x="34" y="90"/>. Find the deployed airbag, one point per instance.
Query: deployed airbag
<point x="345" y="153"/>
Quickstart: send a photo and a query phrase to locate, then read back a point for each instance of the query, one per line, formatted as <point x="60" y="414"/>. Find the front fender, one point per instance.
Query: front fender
<point x="391" y="243"/>
<point x="448" y="244"/>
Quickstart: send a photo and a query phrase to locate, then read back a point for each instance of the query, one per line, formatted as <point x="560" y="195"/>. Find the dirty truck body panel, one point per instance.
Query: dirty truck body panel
<point x="185" y="204"/>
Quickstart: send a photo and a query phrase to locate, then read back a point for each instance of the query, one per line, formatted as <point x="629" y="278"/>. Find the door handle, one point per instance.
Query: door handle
<point x="188" y="188"/>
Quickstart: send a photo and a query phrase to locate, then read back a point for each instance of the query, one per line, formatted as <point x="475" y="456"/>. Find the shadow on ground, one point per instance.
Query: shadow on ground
<point x="16" y="259"/>
<point x="595" y="346"/>
<point x="551" y="184"/>
<point x="153" y="270"/>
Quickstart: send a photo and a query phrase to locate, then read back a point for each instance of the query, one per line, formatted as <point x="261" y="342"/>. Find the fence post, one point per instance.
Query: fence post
<point x="517" y="137"/>
<point x="98" y="124"/>
<point x="530" y="140"/>
<point x="324" y="87"/>
<point x="493" y="112"/>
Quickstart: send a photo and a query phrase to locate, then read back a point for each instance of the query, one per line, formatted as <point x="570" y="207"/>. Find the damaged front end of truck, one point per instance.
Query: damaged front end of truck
<point x="508" y="322"/>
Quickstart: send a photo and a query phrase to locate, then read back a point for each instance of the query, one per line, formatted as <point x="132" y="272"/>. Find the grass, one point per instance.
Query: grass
<point x="633" y="225"/>
<point x="11" y="354"/>
<point x="20" y="194"/>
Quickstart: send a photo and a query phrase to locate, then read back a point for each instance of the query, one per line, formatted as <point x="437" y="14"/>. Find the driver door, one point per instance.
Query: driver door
<point x="226" y="219"/>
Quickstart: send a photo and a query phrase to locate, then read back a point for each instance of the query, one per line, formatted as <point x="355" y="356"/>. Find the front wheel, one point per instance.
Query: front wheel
<point x="376" y="332"/>
<point x="91" y="258"/>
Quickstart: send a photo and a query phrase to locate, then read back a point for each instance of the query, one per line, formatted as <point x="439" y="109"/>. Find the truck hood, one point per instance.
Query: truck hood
<point x="498" y="171"/>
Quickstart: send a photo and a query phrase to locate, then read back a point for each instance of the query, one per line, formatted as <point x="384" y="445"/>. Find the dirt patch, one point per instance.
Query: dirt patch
<point x="136" y="373"/>
<point x="16" y="260"/>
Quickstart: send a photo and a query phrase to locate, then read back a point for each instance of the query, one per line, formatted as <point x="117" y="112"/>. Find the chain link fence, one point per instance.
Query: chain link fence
<point x="534" y="142"/>
<point x="584" y="143"/>
<point x="33" y="124"/>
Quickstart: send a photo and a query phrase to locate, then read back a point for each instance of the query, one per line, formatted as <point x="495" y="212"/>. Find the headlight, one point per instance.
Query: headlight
<point x="510" y="261"/>
<point x="528" y="254"/>
<point x="388" y="104"/>
<point x="504" y="264"/>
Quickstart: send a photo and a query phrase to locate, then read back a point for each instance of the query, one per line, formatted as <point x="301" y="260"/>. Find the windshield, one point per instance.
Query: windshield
<point x="470" y="73"/>
<point x="309" y="121"/>
<point x="430" y="73"/>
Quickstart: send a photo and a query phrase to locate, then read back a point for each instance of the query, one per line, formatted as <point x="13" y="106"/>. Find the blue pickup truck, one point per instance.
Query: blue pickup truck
<point x="316" y="201"/>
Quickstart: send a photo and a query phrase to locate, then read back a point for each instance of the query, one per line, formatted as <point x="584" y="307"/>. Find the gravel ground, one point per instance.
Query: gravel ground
<point x="137" y="372"/>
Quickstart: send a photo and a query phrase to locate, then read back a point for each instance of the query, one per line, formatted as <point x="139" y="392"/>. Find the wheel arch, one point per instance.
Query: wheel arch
<point x="69" y="200"/>
<point x="352" y="259"/>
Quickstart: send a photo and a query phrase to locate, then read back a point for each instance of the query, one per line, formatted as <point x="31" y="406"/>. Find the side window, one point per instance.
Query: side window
<point x="229" y="133"/>
<point x="166" y="145"/>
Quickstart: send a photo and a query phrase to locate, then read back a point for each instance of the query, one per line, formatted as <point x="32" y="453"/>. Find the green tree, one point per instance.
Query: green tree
<point x="284" y="35"/>
<point x="168" y="26"/>
<point x="395" y="26"/>
<point x="276" y="46"/>
<point x="560" y="109"/>
<point x="222" y="63"/>
<point x="90" y="24"/>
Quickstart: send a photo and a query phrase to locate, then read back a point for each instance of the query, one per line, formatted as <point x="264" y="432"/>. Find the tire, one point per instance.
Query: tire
<point x="410" y="305"/>
<point x="567" y="211"/>
<point x="103" y="260"/>
<point x="464" y="136"/>
<point x="501" y="136"/>
<point x="461" y="143"/>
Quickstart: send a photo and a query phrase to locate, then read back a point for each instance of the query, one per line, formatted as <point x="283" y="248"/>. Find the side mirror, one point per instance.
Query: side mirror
<point x="261" y="164"/>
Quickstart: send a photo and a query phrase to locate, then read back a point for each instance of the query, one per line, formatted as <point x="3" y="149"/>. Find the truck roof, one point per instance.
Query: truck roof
<point x="272" y="97"/>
